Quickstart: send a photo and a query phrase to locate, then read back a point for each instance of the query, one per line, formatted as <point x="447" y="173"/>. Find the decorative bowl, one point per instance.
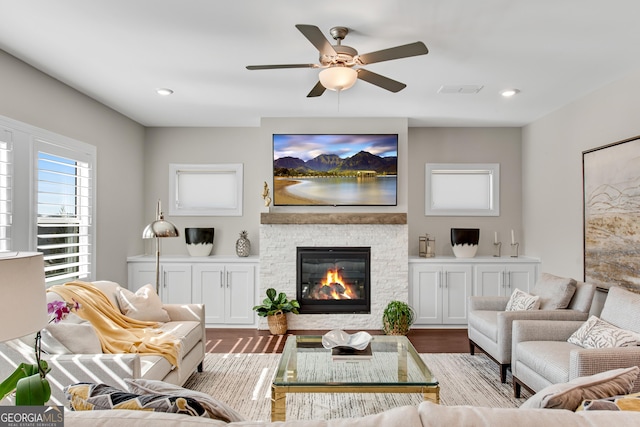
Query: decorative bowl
<point x="339" y="338"/>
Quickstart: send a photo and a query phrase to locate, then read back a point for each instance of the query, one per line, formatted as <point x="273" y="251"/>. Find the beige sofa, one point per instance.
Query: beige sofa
<point x="76" y="359"/>
<point x="425" y="415"/>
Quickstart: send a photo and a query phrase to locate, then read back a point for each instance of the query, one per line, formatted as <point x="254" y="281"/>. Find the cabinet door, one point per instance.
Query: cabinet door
<point x="240" y="294"/>
<point x="208" y="289"/>
<point x="456" y="291"/>
<point x="489" y="280"/>
<point x="426" y="293"/>
<point x="140" y="274"/>
<point x="521" y="276"/>
<point x="175" y="287"/>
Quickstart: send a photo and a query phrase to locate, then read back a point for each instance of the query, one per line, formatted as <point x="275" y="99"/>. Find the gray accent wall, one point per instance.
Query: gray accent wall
<point x="34" y="98"/>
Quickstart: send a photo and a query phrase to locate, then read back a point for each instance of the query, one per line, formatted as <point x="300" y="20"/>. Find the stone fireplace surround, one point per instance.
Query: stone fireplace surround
<point x="386" y="234"/>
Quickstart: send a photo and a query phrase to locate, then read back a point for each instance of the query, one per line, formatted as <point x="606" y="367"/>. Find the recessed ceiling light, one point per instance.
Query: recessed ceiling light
<point x="507" y="93"/>
<point x="163" y="91"/>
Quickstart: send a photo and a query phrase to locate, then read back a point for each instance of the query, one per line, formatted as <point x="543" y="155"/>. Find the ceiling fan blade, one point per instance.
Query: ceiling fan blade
<point x="379" y="80"/>
<point x="404" y="51"/>
<point x="271" y="67"/>
<point x="317" y="90"/>
<point x="315" y="36"/>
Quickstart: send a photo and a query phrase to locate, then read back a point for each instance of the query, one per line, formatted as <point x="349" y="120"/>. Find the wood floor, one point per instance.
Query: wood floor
<point x="259" y="341"/>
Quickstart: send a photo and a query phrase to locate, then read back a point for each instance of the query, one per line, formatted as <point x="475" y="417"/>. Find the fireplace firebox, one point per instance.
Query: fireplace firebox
<point x="333" y="279"/>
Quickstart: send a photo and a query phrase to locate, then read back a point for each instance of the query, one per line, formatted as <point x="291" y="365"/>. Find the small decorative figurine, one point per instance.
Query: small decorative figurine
<point x="243" y="245"/>
<point x="265" y="194"/>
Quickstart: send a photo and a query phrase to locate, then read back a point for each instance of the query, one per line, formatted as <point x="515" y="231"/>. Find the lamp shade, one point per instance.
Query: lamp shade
<point x="22" y="283"/>
<point x="160" y="227"/>
<point x="338" y="78"/>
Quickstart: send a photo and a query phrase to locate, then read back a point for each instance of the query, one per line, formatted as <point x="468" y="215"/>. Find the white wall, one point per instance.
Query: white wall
<point x="466" y="145"/>
<point x="32" y="97"/>
<point x="203" y="146"/>
<point x="552" y="170"/>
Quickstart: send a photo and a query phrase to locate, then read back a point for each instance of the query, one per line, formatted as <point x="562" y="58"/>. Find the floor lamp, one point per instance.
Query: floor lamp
<point x="158" y="229"/>
<point x="22" y="280"/>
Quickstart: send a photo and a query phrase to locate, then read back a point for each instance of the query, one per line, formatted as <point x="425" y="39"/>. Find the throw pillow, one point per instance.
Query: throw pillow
<point x="217" y="410"/>
<point x="521" y="300"/>
<point x="91" y="397"/>
<point x="78" y="338"/>
<point x="555" y="292"/>
<point x="627" y="402"/>
<point x="569" y="395"/>
<point x="596" y="333"/>
<point x="145" y="304"/>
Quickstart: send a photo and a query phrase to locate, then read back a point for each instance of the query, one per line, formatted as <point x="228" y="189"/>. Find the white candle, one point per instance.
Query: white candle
<point x="513" y="238"/>
<point x="495" y="237"/>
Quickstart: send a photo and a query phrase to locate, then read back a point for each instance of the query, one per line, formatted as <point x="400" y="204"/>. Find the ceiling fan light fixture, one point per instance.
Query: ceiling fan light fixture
<point x="338" y="78"/>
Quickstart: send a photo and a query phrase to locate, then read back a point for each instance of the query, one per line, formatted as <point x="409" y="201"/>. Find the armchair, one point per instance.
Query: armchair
<point x="490" y="326"/>
<point x="542" y="356"/>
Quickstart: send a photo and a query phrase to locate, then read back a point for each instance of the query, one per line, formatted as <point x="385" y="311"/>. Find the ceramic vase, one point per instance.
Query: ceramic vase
<point x="199" y="241"/>
<point x="464" y="242"/>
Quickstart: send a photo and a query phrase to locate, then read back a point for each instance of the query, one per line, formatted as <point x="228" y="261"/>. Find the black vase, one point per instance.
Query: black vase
<point x="464" y="241"/>
<point x="199" y="241"/>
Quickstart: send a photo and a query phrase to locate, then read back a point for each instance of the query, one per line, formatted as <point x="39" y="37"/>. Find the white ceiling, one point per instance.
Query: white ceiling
<point x="119" y="51"/>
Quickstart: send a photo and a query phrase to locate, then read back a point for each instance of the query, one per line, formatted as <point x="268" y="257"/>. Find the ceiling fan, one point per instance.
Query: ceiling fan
<point x="338" y="61"/>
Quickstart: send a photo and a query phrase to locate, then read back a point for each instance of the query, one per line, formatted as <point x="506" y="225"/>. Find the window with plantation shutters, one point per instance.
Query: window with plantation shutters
<point x="6" y="164"/>
<point x="64" y="211"/>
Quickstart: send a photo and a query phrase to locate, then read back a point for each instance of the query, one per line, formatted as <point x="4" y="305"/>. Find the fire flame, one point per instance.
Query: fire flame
<point x="331" y="280"/>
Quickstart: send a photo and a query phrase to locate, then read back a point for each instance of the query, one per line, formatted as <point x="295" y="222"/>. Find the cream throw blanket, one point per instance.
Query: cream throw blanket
<point x="117" y="332"/>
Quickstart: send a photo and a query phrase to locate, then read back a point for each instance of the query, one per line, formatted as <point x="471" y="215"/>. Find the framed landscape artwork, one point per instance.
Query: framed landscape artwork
<point x="611" y="181"/>
<point x="335" y="169"/>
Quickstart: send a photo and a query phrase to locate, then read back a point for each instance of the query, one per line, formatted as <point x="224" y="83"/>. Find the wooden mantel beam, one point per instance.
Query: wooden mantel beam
<point x="333" y="218"/>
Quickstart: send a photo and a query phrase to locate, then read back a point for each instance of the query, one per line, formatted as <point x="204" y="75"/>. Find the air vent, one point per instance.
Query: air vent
<point x="460" y="89"/>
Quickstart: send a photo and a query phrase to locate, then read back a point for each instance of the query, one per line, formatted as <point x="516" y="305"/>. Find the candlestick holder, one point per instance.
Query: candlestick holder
<point x="514" y="250"/>
<point x="496" y="249"/>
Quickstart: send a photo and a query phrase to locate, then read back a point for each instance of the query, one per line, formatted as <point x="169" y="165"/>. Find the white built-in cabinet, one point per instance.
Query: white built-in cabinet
<point x="226" y="285"/>
<point x="441" y="294"/>
<point x="227" y="290"/>
<point x="503" y="279"/>
<point x="439" y="288"/>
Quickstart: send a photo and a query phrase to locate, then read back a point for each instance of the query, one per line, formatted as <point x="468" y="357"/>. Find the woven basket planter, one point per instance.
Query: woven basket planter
<point x="277" y="323"/>
<point x="399" y="329"/>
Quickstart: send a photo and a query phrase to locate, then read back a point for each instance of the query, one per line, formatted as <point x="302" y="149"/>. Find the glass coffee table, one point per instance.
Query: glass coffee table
<point x="393" y="366"/>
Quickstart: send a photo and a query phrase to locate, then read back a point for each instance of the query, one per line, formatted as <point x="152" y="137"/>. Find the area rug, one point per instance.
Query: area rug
<point x="243" y="381"/>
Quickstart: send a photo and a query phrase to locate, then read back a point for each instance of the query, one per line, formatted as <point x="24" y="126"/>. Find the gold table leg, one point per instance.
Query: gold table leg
<point x="278" y="404"/>
<point x="432" y="394"/>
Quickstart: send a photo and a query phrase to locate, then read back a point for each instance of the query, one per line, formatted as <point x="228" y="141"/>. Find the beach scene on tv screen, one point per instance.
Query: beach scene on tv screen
<point x="335" y="170"/>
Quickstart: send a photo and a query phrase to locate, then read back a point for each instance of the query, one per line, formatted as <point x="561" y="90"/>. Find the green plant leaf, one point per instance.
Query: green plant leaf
<point x="32" y="390"/>
<point x="23" y="371"/>
<point x="276" y="302"/>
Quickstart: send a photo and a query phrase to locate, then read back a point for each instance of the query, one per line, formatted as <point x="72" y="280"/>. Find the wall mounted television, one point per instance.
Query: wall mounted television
<point x="335" y="169"/>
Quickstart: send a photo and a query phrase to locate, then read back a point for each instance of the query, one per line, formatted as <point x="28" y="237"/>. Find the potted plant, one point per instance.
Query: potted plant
<point x="397" y="318"/>
<point x="275" y="308"/>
